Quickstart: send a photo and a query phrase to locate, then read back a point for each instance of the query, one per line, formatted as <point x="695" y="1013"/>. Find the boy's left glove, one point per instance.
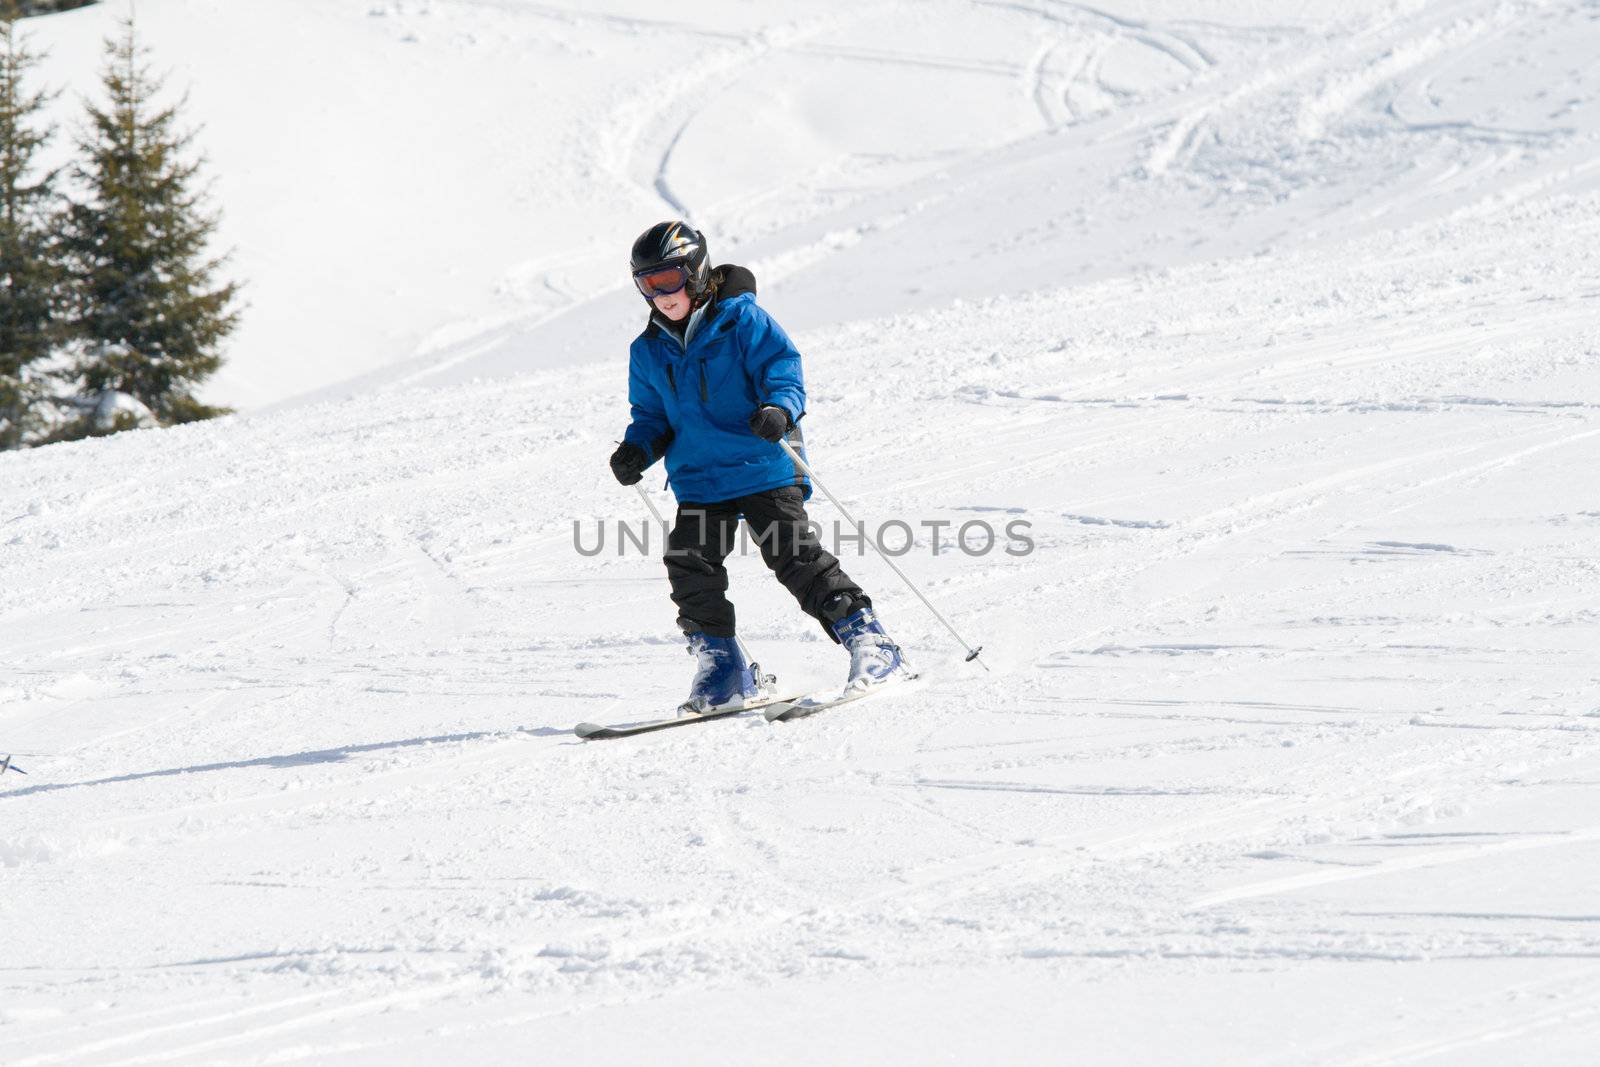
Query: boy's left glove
<point x="770" y="422"/>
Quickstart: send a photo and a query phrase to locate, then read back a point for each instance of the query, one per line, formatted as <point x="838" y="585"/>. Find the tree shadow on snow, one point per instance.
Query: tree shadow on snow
<point x="298" y="759"/>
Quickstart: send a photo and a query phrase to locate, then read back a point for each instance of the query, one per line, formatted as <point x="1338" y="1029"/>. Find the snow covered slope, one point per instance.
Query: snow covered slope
<point x="437" y="190"/>
<point x="1291" y="746"/>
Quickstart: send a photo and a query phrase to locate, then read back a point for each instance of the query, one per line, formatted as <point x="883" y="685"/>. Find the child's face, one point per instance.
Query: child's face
<point x="675" y="306"/>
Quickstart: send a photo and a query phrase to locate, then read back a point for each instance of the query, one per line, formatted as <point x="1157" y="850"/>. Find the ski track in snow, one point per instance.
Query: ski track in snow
<point x="1280" y="338"/>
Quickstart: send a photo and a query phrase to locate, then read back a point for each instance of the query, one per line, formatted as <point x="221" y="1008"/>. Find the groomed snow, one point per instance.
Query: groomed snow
<point x="1282" y="332"/>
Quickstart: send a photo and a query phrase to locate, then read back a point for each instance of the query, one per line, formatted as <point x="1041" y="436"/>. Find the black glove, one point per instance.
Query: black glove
<point x="770" y="422"/>
<point x="628" y="463"/>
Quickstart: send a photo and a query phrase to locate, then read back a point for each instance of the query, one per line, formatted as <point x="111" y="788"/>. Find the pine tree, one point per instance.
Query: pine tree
<point x="151" y="310"/>
<point x="32" y="277"/>
<point x="45" y="7"/>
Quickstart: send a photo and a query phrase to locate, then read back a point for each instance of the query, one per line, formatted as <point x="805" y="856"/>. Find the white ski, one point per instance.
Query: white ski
<point x="815" y="702"/>
<point x="590" y="731"/>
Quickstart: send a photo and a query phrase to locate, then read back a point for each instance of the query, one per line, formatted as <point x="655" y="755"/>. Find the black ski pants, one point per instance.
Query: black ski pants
<point x="704" y="535"/>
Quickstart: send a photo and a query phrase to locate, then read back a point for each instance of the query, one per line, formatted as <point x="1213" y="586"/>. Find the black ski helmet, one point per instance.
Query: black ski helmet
<point x="670" y="243"/>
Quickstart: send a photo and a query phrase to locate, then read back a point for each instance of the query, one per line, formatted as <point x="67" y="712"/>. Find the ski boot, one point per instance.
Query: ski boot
<point x="722" y="678"/>
<point x="874" y="659"/>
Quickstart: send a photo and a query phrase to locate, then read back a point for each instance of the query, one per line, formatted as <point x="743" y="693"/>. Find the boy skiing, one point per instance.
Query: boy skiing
<point x="714" y="384"/>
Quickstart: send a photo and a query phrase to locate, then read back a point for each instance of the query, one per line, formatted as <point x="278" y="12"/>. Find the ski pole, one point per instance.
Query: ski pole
<point x="651" y="504"/>
<point x="662" y="522"/>
<point x="972" y="653"/>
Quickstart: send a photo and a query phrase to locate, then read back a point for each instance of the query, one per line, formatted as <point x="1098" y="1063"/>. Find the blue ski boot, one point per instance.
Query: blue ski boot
<point x="874" y="659"/>
<point x="722" y="678"/>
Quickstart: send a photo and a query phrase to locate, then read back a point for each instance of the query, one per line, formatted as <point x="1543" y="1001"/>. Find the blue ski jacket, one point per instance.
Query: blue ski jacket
<point x="691" y="398"/>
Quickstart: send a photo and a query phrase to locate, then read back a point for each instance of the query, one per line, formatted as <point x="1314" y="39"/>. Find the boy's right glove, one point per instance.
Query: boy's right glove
<point x="628" y="463"/>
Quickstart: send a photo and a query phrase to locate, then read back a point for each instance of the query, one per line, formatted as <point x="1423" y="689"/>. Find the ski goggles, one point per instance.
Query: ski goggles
<point x="662" y="281"/>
